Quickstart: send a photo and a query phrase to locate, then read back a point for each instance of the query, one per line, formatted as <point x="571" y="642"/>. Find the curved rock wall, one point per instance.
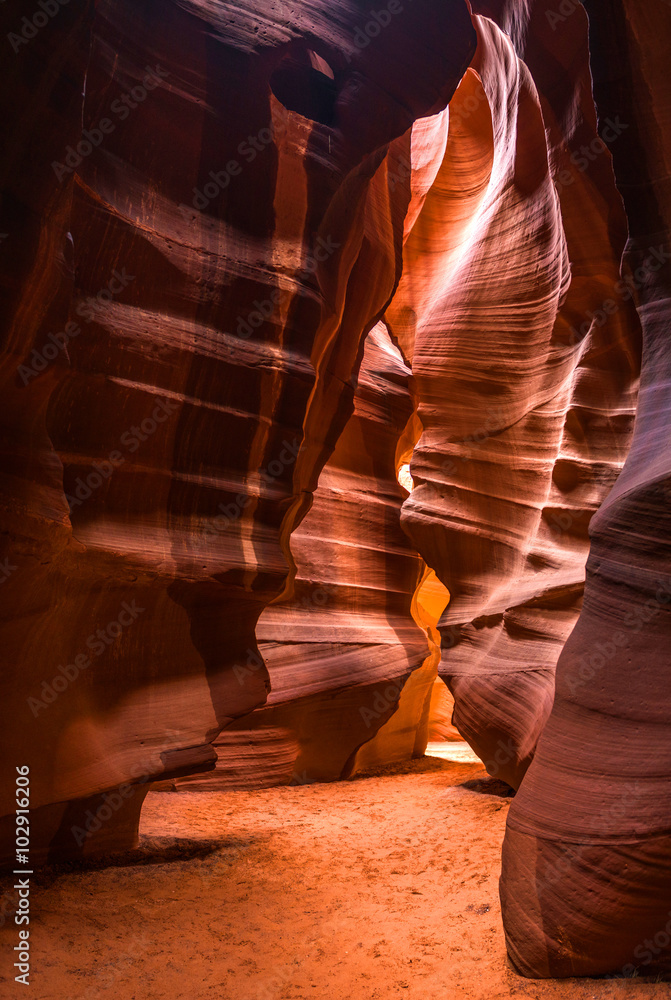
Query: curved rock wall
<point x="344" y="649"/>
<point x="525" y="396"/>
<point x="219" y="256"/>
<point x="586" y="879"/>
<point x="524" y="383"/>
<point x="339" y="706"/>
<point x="249" y="257"/>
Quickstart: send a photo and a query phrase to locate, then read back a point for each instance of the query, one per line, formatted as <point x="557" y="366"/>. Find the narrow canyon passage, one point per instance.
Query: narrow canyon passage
<point x="381" y="886"/>
<point x="336" y="395"/>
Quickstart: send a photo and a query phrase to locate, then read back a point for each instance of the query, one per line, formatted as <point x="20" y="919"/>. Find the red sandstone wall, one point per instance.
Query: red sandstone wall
<point x="170" y="377"/>
<point x="586" y="878"/>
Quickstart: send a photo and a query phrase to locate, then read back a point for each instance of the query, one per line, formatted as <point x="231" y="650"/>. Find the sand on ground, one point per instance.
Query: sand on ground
<point x="380" y="886"/>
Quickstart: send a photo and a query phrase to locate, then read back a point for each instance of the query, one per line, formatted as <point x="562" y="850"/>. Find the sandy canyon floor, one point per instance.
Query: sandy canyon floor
<point x="381" y="886"/>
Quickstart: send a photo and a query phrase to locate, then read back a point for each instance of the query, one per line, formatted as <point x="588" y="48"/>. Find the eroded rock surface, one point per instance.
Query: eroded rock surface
<point x="344" y="649"/>
<point x="586" y="880"/>
<point x="249" y="257"/>
<point x="525" y="396"/>
<point x="203" y="190"/>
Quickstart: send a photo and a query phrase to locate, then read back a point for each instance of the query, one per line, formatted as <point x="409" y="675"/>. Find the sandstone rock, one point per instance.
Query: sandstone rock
<point x="343" y="652"/>
<point x="526" y="405"/>
<point x="586" y="879"/>
<point x="223" y="257"/>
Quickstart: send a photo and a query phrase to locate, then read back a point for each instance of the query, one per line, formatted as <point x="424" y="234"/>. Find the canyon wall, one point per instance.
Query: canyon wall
<point x="343" y="649"/>
<point x="524" y="387"/>
<point x="586" y="879"/>
<point x="199" y="230"/>
<point x="525" y="382"/>
<point x="252" y="266"/>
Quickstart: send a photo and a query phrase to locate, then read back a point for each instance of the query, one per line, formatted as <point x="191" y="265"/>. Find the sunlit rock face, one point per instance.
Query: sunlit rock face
<point x="525" y="383"/>
<point x="586" y="879"/>
<point x="201" y="191"/>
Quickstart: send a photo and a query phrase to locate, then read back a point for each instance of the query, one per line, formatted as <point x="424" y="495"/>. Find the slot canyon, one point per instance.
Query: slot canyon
<point x="335" y="564"/>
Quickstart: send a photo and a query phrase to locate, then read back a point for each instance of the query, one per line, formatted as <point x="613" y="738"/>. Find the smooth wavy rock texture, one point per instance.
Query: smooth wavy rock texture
<point x="201" y="191"/>
<point x="343" y="651"/>
<point x="586" y="880"/>
<point x="526" y="404"/>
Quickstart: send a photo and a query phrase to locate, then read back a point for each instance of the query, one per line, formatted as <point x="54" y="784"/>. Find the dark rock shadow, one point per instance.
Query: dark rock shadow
<point x="151" y="851"/>
<point x="489" y="786"/>
<point x="417" y="765"/>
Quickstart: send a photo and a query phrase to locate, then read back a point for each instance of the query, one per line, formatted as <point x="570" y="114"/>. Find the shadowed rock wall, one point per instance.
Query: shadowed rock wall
<point x="586" y="880"/>
<point x="220" y="256"/>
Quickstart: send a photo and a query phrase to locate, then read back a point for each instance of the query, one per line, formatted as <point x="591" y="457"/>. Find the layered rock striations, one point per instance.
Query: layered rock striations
<point x="252" y="268"/>
<point x="351" y="645"/>
<point x="586" y="877"/>
<point x="199" y="217"/>
<point x="525" y="383"/>
<point x="342" y="649"/>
